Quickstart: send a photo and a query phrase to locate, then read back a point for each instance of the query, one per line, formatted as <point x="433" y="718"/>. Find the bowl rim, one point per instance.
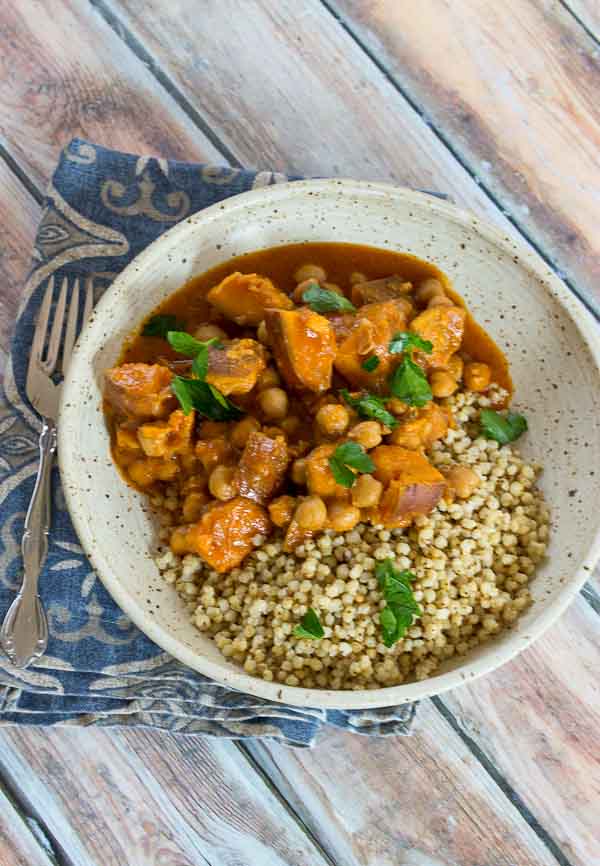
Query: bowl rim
<point x="298" y="696"/>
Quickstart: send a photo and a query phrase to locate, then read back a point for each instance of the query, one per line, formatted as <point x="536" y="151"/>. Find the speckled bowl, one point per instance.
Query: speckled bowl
<point x="552" y="342"/>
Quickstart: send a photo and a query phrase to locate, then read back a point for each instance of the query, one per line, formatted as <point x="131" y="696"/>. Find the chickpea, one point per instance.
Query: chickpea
<point x="430" y="288"/>
<point x="243" y="429"/>
<point x="455" y="367"/>
<point x="262" y="334"/>
<point x="342" y="516"/>
<point x="281" y="510"/>
<point x="210" y="332"/>
<point x="311" y="514"/>
<point x="463" y="481"/>
<point x="299" y="471"/>
<point x="440" y="301"/>
<point x="310" y="272"/>
<point x="367" y="434"/>
<point x="442" y="384"/>
<point x="269" y="378"/>
<point x="333" y="419"/>
<point x="221" y="483"/>
<point x="357" y="277"/>
<point x="193" y="505"/>
<point x="366" y="491"/>
<point x="396" y="406"/>
<point x="477" y="376"/>
<point x="274" y="403"/>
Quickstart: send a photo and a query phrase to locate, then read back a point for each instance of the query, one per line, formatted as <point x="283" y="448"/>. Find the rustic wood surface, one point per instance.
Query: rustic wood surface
<point x="504" y="771"/>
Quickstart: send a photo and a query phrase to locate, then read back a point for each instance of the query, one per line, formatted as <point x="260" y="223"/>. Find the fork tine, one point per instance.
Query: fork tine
<point x="71" y="329"/>
<point x="57" y="328"/>
<point x="39" y="336"/>
<point x="88" y="304"/>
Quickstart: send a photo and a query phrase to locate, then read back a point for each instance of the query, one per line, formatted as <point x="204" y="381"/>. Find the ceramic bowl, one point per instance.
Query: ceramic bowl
<point x="550" y="339"/>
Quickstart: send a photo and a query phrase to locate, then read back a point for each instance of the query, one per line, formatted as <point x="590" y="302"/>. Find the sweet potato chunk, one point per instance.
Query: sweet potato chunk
<point x="319" y="477"/>
<point x="374" y="291"/>
<point x="422" y="427"/>
<point x="412" y="485"/>
<point x="167" y="438"/>
<point x="235" y="367"/>
<point x="374" y="328"/>
<point x="294" y="536"/>
<point x="140" y="390"/>
<point x="444" y="327"/>
<point x="244" y="298"/>
<point x="223" y="535"/>
<point x="304" y="347"/>
<point x="262" y="467"/>
<point x="213" y="452"/>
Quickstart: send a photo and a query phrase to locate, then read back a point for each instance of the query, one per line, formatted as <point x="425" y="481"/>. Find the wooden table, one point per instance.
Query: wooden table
<point x="498" y="105"/>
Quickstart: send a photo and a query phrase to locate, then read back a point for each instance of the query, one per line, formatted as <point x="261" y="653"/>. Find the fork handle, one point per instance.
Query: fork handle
<point x="24" y="633"/>
<point x="34" y="544"/>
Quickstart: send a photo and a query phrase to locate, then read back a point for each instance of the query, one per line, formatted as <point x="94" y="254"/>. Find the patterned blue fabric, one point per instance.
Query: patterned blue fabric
<point x="102" y="209"/>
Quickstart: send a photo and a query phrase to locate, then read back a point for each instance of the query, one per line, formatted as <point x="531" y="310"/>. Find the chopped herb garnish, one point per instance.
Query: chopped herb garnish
<point x="348" y="456"/>
<point x="205" y="399"/>
<point x="159" y="326"/>
<point x="310" y="626"/>
<point x="502" y="428"/>
<point x="401" y="607"/>
<point x="409" y="383"/>
<point x="323" y="301"/>
<point x="370" y="363"/>
<point x="407" y="340"/>
<point x="185" y="344"/>
<point x="370" y="406"/>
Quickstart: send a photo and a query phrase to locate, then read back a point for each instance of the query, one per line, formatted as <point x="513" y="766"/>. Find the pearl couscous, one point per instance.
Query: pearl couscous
<point x="473" y="560"/>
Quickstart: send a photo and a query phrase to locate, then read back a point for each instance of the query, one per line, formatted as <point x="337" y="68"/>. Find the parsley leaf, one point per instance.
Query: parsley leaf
<point x="370" y="363"/>
<point x="310" y="626"/>
<point x="323" y="301"/>
<point x="159" y="326"/>
<point x="370" y="406"/>
<point x="502" y="428"/>
<point x="204" y="398"/>
<point x="349" y="454"/>
<point x="409" y="383"/>
<point x="401" y="607"/>
<point x="404" y="340"/>
<point x="185" y="344"/>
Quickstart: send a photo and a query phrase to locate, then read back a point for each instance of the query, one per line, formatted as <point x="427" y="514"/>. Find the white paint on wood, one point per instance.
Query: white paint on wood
<point x="18" y="844"/>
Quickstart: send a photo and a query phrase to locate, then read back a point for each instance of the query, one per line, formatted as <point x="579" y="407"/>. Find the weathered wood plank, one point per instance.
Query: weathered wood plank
<point x="588" y="12"/>
<point x="19" y="214"/>
<point x="18" y="844"/>
<point x="65" y="73"/>
<point x="528" y="128"/>
<point x="288" y="89"/>
<point x="142" y="797"/>
<point x="416" y="800"/>
<point x="530" y="720"/>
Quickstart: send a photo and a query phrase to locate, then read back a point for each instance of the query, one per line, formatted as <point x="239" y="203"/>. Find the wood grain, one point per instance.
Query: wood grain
<point x="588" y="12"/>
<point x="529" y="127"/>
<point x="537" y="719"/>
<point x="19" y="214"/>
<point x="418" y="801"/>
<point x="65" y="73"/>
<point x="313" y="104"/>
<point x="18" y="844"/>
<point x="145" y="798"/>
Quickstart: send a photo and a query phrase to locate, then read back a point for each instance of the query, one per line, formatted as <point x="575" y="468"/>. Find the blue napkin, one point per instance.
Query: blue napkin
<point x="102" y="208"/>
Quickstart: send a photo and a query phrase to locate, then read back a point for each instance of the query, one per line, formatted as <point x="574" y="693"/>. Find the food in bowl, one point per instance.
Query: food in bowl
<point x="323" y="432"/>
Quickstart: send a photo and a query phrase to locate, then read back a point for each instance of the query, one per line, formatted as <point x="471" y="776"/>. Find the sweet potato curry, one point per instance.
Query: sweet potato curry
<point x="297" y="387"/>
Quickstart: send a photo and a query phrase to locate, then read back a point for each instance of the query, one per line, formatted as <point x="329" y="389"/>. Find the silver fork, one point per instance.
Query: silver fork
<point x="24" y="633"/>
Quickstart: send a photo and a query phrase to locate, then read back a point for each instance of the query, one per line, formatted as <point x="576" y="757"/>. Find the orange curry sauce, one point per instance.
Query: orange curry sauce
<point x="220" y="527"/>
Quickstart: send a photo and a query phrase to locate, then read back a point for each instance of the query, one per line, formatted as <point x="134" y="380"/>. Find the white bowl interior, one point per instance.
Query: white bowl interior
<point x="550" y="340"/>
